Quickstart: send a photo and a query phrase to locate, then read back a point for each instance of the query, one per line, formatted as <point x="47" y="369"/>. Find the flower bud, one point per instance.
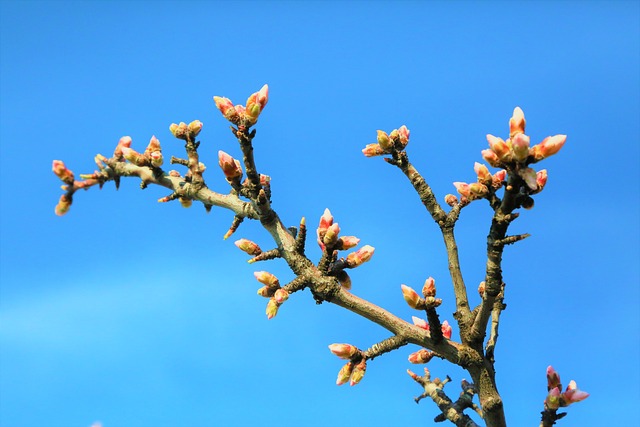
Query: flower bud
<point x="553" y="378"/>
<point x="64" y="203"/>
<point x="552" y="401"/>
<point x="230" y="166"/>
<point x="491" y="157"/>
<point x="421" y="356"/>
<point x="248" y="246"/>
<point x="429" y="288"/>
<point x="156" y="159"/>
<point x="272" y="309"/>
<point x="421" y="323"/>
<point x="344" y="374"/>
<point x="481" y="288"/>
<point x="227" y="108"/>
<point x="549" y="146"/>
<point x="359" y="257"/>
<point x="331" y="236"/>
<point x="343" y="351"/>
<point x="572" y="394"/>
<point x="61" y="171"/>
<point x="385" y="142"/>
<point x="358" y="372"/>
<point x="446" y="330"/>
<point x="267" y="278"/>
<point x="125" y="141"/>
<point x="134" y="157"/>
<point x="267" y="291"/>
<point x="180" y="131"/>
<point x="484" y="176"/>
<point x="325" y="221"/>
<point x="463" y="188"/>
<point x="498" y="178"/>
<point x="516" y="122"/>
<point x="498" y="146"/>
<point x="451" y="200"/>
<point x="347" y="242"/>
<point x="194" y="128"/>
<point x="541" y="179"/>
<point x="530" y="177"/>
<point x="520" y="146"/>
<point x="478" y="190"/>
<point x="372" y="150"/>
<point x="403" y="135"/>
<point x="281" y="296"/>
<point x="412" y="298"/>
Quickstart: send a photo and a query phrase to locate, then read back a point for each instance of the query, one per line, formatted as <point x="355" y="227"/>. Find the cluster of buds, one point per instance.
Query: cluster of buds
<point x="445" y="327"/>
<point x="241" y="115"/>
<point x="272" y="290"/>
<point x="416" y="301"/>
<point x="421" y="356"/>
<point x="556" y="399"/>
<point x="152" y="155"/>
<point x="328" y="235"/>
<point x="62" y="172"/>
<point x="186" y="132"/>
<point x="479" y="189"/>
<point x="397" y="140"/>
<point x="354" y="370"/>
<point x="230" y="167"/>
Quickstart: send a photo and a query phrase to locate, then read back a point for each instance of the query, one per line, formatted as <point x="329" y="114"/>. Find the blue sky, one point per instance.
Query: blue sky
<point x="138" y="314"/>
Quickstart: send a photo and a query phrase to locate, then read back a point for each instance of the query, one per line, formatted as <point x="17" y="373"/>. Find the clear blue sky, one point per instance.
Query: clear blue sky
<point x="138" y="314"/>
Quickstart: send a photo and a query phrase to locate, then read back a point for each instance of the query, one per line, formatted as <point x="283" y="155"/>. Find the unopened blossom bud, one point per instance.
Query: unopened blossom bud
<point x="180" y="131"/>
<point x="248" y="246"/>
<point x="154" y="145"/>
<point x="267" y="278"/>
<point x="429" y="288"/>
<point x="134" y="157"/>
<point x="552" y="400"/>
<point x="281" y="296"/>
<point x="344" y="279"/>
<point x="446" y="330"/>
<point x="61" y="171"/>
<point x="498" y="146"/>
<point x="174" y="173"/>
<point x="344" y="374"/>
<point x="530" y="177"/>
<point x="358" y="372"/>
<point x="343" y="351"/>
<point x="490" y="157"/>
<point x="463" y="188"/>
<point x="572" y="394"/>
<point x="347" y="242"/>
<point x="478" y="190"/>
<point x="412" y="298"/>
<point x="226" y="107"/>
<point x="481" y="288"/>
<point x="403" y="135"/>
<point x="272" y="309"/>
<point x="194" y="128"/>
<point x="553" y="378"/>
<point x="265" y="180"/>
<point x="421" y="356"/>
<point x="498" y="178"/>
<point x="325" y="221"/>
<point x="125" y="141"/>
<point x="331" y="236"/>
<point x="484" y="176"/>
<point x="385" y="142"/>
<point x="266" y="291"/>
<point x="156" y="159"/>
<point x="64" y="203"/>
<point x="520" y="146"/>
<point x="548" y="147"/>
<point x="451" y="200"/>
<point x="359" y="257"/>
<point x="541" y="179"/>
<point x="421" y="323"/>
<point x="230" y="166"/>
<point x="372" y="150"/>
<point x="263" y="96"/>
<point x="516" y="122"/>
<point x="257" y="101"/>
<point x="185" y="202"/>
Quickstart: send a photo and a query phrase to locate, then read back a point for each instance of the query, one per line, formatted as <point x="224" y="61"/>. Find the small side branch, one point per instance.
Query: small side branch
<point x="498" y="307"/>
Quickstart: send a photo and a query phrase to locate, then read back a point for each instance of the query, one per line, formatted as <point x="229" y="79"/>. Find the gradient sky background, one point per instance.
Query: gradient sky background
<point x="138" y="314"/>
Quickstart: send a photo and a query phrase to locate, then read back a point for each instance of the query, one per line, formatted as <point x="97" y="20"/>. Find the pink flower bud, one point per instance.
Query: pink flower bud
<point x="553" y="378"/>
<point x="481" y="288"/>
<point x="272" y="309"/>
<point x="267" y="278"/>
<point x="125" y="141"/>
<point x="331" y="236"/>
<point x="248" y="246"/>
<point x="180" y="131"/>
<point x="372" y="150"/>
<point x="541" y="179"/>
<point x="194" y="128"/>
<point x="343" y="351"/>
<point x="421" y="323"/>
<point x="412" y="298"/>
<point x="154" y="145"/>
<point x="491" y="157"/>
<point x="156" y="159"/>
<point x="134" y="157"/>
<point x="344" y="374"/>
<point x="281" y="296"/>
<point x="552" y="400"/>
<point x="421" y="356"/>
<point x="498" y="146"/>
<point x="451" y="200"/>
<point x="230" y="166"/>
<point x="478" y="190"/>
<point x="548" y="147"/>
<point x="257" y="101"/>
<point x="530" y="177"/>
<point x="61" y="171"/>
<point x="226" y="107"/>
<point x="64" y="203"/>
<point x="516" y="122"/>
<point x="498" y="178"/>
<point x="325" y="221"/>
<point x="573" y="394"/>
<point x="484" y="176"/>
<point x="403" y="135"/>
<point x="463" y="188"/>
<point x="359" y="257"/>
<point x="385" y="142"/>
<point x="520" y="146"/>
<point x="358" y="372"/>
<point x="347" y="242"/>
<point x="429" y="288"/>
<point x="446" y="330"/>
